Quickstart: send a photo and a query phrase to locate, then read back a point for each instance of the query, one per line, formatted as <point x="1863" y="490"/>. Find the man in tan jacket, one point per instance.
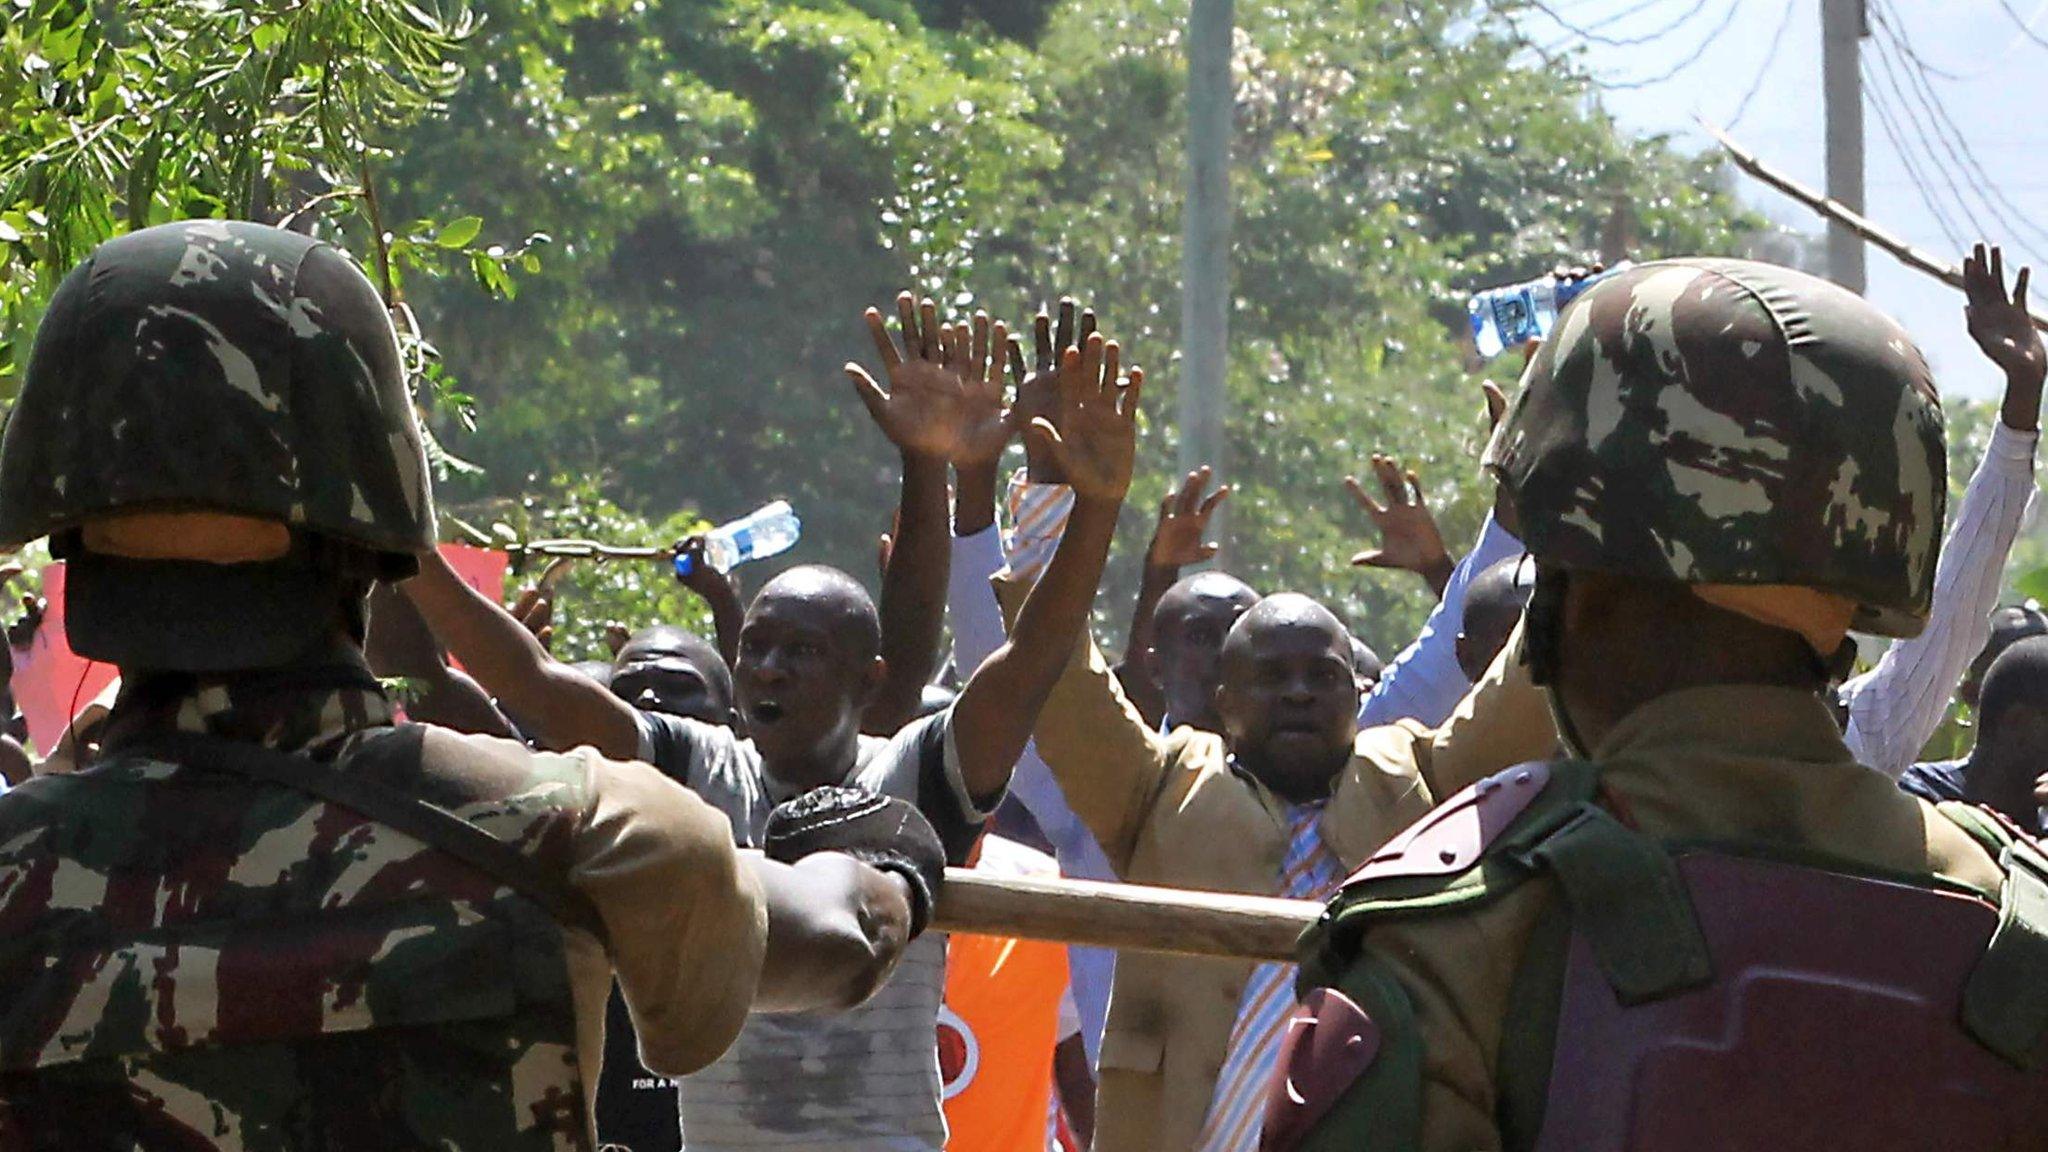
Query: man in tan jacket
<point x="1195" y="809"/>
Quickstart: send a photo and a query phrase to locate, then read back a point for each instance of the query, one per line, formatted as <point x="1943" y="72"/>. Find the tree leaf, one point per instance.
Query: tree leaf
<point x="457" y="233"/>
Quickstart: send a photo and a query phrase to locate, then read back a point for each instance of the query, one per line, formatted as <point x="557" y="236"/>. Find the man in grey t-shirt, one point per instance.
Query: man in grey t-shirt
<point x="868" y="1079"/>
<point x="810" y="662"/>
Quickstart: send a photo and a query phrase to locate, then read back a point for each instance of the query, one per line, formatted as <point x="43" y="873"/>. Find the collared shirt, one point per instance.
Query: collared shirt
<point x="1896" y="706"/>
<point x="1935" y="780"/>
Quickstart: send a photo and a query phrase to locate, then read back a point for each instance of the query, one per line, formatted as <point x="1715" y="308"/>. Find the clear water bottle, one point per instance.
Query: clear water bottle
<point x="1504" y="318"/>
<point x="768" y="531"/>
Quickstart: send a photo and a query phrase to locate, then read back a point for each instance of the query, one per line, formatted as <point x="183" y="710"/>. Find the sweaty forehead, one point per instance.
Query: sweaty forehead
<point x="1289" y="625"/>
<point x="817" y="601"/>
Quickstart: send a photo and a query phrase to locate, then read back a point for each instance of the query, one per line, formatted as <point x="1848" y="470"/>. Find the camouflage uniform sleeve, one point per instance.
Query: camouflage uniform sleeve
<point x="688" y="922"/>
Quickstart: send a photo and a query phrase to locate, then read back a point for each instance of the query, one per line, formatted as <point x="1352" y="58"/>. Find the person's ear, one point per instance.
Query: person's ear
<point x="872" y="677"/>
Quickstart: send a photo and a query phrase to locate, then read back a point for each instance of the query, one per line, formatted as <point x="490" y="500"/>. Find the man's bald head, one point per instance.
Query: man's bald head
<point x="1188" y="627"/>
<point x="836" y="597"/>
<point x="1286" y="610"/>
<point x="662" y="668"/>
<point x="1190" y="592"/>
<point x="2010" y="624"/>
<point x="1289" y="701"/>
<point x="2012" y="732"/>
<point x="1494" y="601"/>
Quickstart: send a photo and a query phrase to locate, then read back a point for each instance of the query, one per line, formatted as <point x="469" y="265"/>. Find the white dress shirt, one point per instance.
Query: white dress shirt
<point x="1895" y="707"/>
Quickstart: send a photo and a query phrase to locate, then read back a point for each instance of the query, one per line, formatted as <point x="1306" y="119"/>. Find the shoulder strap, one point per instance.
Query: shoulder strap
<point x="358" y="792"/>
<point x="1629" y="903"/>
<point x="2005" y="1000"/>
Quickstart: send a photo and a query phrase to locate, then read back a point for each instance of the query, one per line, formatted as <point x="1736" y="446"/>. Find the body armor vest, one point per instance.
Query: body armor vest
<point x="1687" y="997"/>
<point x="194" y="959"/>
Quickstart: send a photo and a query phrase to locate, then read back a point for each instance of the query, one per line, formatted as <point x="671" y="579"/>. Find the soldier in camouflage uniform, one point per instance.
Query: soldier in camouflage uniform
<point x="266" y="917"/>
<point x="1710" y="928"/>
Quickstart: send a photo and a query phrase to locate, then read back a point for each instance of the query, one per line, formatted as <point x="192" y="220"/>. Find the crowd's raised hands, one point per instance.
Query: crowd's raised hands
<point x="1179" y="538"/>
<point x="1093" y="438"/>
<point x="1409" y="538"/>
<point x="945" y="395"/>
<point x="2003" y="329"/>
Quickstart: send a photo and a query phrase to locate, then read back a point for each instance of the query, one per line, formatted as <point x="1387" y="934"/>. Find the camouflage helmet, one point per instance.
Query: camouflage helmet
<point x="218" y="366"/>
<point x="1733" y="423"/>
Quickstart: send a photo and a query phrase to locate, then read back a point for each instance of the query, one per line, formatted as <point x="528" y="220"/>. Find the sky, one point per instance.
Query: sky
<point x="2000" y="105"/>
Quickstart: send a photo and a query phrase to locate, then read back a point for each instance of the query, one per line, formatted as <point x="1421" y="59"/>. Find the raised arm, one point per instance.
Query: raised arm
<point x="720" y="592"/>
<point x="1177" y="541"/>
<point x="1896" y="706"/>
<point x="1409" y="538"/>
<point x="1094" y="442"/>
<point x="937" y="409"/>
<point x="400" y="644"/>
<point x="560" y="708"/>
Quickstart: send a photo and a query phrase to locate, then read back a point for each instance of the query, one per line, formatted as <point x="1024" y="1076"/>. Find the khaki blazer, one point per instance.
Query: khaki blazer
<point x="1171" y="810"/>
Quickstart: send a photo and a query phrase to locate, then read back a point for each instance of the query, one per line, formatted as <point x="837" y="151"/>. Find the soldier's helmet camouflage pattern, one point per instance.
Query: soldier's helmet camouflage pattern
<point x="218" y="366"/>
<point x="1730" y="422"/>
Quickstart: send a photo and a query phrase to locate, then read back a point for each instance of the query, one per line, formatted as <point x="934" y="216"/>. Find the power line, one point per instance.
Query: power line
<point x="2012" y="219"/>
<point x="1770" y="58"/>
<point x="2024" y="26"/>
<point x="1593" y="37"/>
<point x="1691" y="59"/>
<point x="1928" y="137"/>
<point x="1927" y="198"/>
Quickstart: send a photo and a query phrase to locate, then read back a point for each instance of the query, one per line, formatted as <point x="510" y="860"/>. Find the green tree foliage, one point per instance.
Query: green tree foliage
<point x="116" y="117"/>
<point x="728" y="182"/>
<point x="733" y="181"/>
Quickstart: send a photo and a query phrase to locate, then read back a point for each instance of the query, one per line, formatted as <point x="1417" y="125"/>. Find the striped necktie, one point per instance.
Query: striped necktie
<point x="1309" y="872"/>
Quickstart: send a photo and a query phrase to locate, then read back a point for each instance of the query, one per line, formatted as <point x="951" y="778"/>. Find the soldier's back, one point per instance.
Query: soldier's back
<point x="1721" y="918"/>
<point x="193" y="959"/>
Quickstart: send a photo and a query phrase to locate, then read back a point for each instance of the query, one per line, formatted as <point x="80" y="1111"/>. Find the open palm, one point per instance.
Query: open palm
<point x="1095" y="439"/>
<point x="945" y="400"/>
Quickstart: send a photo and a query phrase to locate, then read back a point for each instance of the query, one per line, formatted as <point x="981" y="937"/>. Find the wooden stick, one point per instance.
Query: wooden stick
<point x="1134" y="916"/>
<point x="1841" y="213"/>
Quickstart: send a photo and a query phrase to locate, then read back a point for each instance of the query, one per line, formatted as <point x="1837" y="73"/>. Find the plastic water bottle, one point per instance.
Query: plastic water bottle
<point x="768" y="531"/>
<point x="1504" y="318"/>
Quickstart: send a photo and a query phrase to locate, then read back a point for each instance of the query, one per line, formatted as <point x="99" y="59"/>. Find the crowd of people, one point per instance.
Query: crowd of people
<point x="1621" y="850"/>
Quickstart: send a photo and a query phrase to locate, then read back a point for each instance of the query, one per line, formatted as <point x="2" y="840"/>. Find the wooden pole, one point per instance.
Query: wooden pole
<point x="1133" y="916"/>
<point x="1841" y="214"/>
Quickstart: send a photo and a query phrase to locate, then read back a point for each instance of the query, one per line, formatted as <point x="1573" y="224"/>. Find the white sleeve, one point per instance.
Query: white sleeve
<point x="976" y="617"/>
<point x="1424" y="683"/>
<point x="1895" y="707"/>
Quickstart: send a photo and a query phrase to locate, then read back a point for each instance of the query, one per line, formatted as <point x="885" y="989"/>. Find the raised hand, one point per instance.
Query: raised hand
<point x="1183" y="521"/>
<point x="2005" y="332"/>
<point x="1095" y="438"/>
<point x="987" y="422"/>
<point x="1038" y="390"/>
<point x="1409" y="539"/>
<point x="945" y="397"/>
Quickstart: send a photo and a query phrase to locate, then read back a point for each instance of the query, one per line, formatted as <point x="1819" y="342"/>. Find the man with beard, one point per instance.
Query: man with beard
<point x="809" y="664"/>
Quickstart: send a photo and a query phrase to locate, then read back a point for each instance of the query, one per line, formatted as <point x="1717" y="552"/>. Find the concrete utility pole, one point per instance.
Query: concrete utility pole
<point x="1843" y="24"/>
<point x="1205" y="224"/>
